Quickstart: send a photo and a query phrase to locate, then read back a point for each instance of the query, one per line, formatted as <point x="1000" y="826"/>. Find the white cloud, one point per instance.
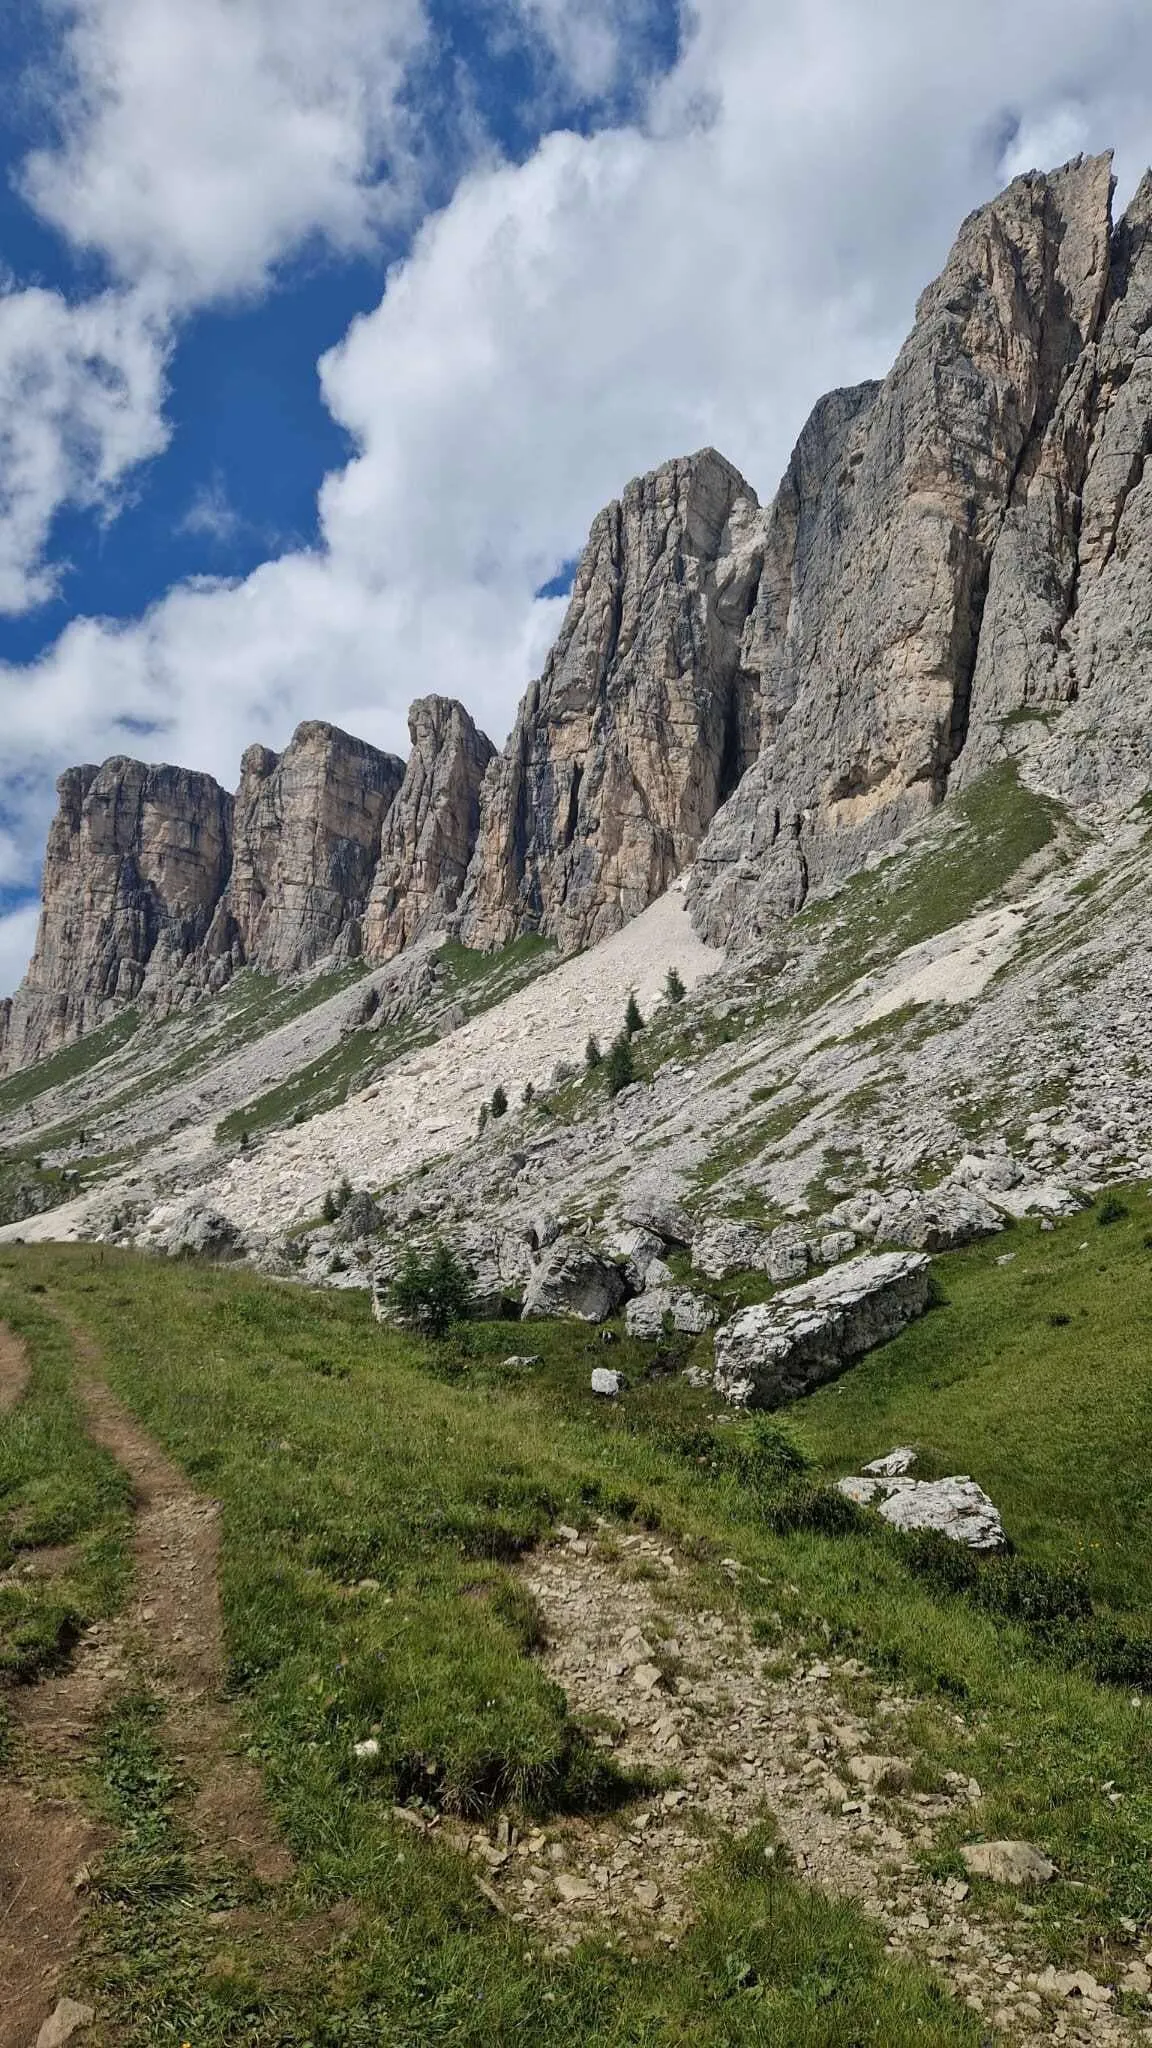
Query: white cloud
<point x="200" y="142"/>
<point x="81" y="389"/>
<point x="17" y="938"/>
<point x="204" y="139"/>
<point x="565" y="323"/>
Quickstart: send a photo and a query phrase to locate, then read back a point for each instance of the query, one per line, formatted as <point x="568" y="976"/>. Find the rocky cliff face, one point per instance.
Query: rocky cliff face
<point x="307" y="840"/>
<point x="135" y="863"/>
<point x="956" y="568"/>
<point x="905" y="518"/>
<point x="429" y="834"/>
<point x="1066" y="652"/>
<point x="640" y="724"/>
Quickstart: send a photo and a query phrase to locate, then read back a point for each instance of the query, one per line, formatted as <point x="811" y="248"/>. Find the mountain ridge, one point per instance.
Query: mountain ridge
<point x="950" y="574"/>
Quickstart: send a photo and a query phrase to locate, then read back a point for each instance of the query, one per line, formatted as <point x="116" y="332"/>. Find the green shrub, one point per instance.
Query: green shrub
<point x="633" y="1021"/>
<point x="432" y="1292"/>
<point x="1111" y="1210"/>
<point x="673" y="986"/>
<point x="621" y="1065"/>
<point x="592" y="1054"/>
<point x="499" y="1101"/>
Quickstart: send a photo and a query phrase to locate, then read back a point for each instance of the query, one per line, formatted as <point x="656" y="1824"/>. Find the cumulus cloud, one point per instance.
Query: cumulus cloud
<point x="197" y="146"/>
<point x="80" y="397"/>
<point x="699" y="276"/>
<point x="200" y="143"/>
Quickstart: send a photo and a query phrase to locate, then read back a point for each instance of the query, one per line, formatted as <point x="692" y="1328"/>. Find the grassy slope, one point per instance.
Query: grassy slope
<point x="1053" y="1416"/>
<point x="337" y="1454"/>
<point x="343" y="1452"/>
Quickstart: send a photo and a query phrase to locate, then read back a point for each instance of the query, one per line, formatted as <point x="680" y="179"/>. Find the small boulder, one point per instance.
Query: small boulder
<point x="786" y="1255"/>
<point x="1016" y="1863"/>
<point x="655" y="1312"/>
<point x="658" y="1275"/>
<point x="654" y="1203"/>
<point x="606" y="1382"/>
<point x="724" y="1247"/>
<point x="634" y="1250"/>
<point x="894" y="1464"/>
<point x="68" y="2020"/>
<point x="573" y="1280"/>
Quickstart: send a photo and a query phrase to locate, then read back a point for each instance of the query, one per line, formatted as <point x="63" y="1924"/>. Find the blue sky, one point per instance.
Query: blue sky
<point x="325" y="331"/>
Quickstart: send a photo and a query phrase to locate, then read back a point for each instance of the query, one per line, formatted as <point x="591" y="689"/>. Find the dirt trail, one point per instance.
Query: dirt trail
<point x="14" y="1368"/>
<point x="747" y="1736"/>
<point x="170" y="1639"/>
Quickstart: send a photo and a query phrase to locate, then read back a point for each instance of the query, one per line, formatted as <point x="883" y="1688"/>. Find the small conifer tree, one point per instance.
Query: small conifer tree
<point x="434" y="1291"/>
<point x="499" y="1100"/>
<point x="621" y="1065"/>
<point x="592" y="1054"/>
<point x="633" y="1021"/>
<point x="673" y="986"/>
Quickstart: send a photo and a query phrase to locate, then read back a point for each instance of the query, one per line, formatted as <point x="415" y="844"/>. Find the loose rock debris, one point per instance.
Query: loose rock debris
<point x="687" y="1693"/>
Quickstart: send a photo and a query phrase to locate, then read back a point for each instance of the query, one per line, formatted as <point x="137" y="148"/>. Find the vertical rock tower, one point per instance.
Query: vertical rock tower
<point x="429" y="834"/>
<point x="135" y="863"/>
<point x="640" y="723"/>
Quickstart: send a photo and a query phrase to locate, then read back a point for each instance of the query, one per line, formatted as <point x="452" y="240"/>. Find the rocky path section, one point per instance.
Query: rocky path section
<point x="686" y="1692"/>
<point x="168" y="1640"/>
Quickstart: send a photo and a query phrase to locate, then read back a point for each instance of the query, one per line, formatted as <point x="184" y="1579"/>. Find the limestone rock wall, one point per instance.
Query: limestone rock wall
<point x="903" y="511"/>
<point x="429" y="833"/>
<point x="136" y="860"/>
<point x="640" y="723"/>
<point x="307" y="841"/>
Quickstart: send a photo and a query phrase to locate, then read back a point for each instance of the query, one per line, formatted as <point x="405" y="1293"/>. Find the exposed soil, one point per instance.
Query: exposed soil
<point x="14" y="1368"/>
<point x="170" y="1638"/>
<point x="750" y="1735"/>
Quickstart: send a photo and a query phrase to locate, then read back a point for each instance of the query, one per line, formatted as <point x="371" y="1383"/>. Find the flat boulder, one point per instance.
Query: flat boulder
<point x="1017" y="1863"/>
<point x="573" y="1280"/>
<point x="661" y="1309"/>
<point x="653" y="1202"/>
<point x="782" y="1348"/>
<point x="938" y="1219"/>
<point x="955" y="1507"/>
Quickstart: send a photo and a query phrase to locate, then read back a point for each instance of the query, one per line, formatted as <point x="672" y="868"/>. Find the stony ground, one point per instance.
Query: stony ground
<point x="737" y="1733"/>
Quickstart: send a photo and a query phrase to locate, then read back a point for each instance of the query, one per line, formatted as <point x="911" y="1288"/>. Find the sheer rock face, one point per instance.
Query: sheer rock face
<point x="1069" y="617"/>
<point x="884" y="540"/>
<point x="307" y="840"/>
<point x="430" y="831"/>
<point x="136" y="859"/>
<point x="641" y="722"/>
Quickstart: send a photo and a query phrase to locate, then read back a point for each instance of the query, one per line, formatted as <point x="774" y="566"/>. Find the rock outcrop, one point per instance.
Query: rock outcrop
<point x="135" y="863"/>
<point x="641" y="723"/>
<point x="429" y="834"/>
<point x="867" y="628"/>
<point x="307" y="841"/>
<point x="780" y="1349"/>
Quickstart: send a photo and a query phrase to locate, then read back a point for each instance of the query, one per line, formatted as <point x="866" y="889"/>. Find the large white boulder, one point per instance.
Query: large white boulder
<point x="955" y="1507"/>
<point x="782" y="1348"/>
<point x="573" y="1280"/>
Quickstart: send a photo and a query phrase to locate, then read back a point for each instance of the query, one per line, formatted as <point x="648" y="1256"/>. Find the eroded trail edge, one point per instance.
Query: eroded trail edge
<point x="169" y="1641"/>
<point x="15" y="1368"/>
